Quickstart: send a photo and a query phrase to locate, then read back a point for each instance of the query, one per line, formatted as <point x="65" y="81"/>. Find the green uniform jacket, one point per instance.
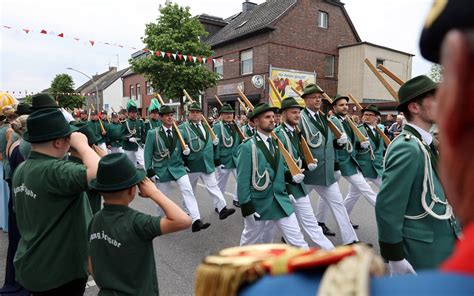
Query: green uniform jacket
<point x="292" y="144"/>
<point x="52" y="214"/>
<point x="425" y="242"/>
<point x="345" y="161"/>
<point x="135" y="128"/>
<point x="254" y="160"/>
<point x="164" y="156"/>
<point x="247" y="131"/>
<point x="371" y="168"/>
<point x="151" y="124"/>
<point x="226" y="152"/>
<point x="95" y="126"/>
<point x="201" y="158"/>
<point x="114" y="134"/>
<point x="320" y="140"/>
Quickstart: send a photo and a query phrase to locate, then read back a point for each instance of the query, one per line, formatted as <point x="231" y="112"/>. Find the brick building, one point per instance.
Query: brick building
<point x="298" y="35"/>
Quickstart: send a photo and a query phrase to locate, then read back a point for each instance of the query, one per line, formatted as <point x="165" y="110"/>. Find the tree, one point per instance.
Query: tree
<point x="62" y="89"/>
<point x="176" y="31"/>
<point x="29" y="99"/>
<point x="436" y="72"/>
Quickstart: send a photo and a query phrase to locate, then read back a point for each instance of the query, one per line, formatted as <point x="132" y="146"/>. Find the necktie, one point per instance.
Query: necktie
<point x="318" y="118"/>
<point x="434" y="150"/>
<point x="270" y="146"/>
<point x="168" y="133"/>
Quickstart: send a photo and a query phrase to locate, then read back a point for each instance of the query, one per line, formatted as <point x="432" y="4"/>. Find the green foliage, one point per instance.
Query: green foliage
<point x="61" y="88"/>
<point x="176" y="31"/>
<point x="29" y="99"/>
<point x="436" y="72"/>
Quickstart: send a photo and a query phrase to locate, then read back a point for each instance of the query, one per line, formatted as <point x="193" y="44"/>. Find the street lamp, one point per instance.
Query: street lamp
<point x="95" y="85"/>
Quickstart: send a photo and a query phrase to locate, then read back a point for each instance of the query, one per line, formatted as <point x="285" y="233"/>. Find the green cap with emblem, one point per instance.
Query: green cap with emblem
<point x="261" y="108"/>
<point x="444" y="16"/>
<point x="311" y="89"/>
<point x="226" y="108"/>
<point x="289" y="102"/>
<point x="414" y="88"/>
<point x="154" y="106"/>
<point x="371" y="108"/>
<point x="339" y="97"/>
<point x="107" y="178"/>
<point x="194" y="107"/>
<point x="165" y="109"/>
<point x="132" y="106"/>
<point x="46" y="125"/>
<point x="41" y="101"/>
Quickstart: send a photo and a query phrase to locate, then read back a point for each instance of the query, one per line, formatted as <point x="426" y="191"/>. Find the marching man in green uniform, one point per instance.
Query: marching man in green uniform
<point x="133" y="135"/>
<point x="52" y="209"/>
<point x="225" y="154"/>
<point x="114" y="135"/>
<point x="118" y="233"/>
<point x="164" y="161"/>
<point x="261" y="174"/>
<point x="291" y="139"/>
<point x="415" y="221"/>
<point x="200" y="161"/>
<point x="320" y="139"/>
<point x="153" y="116"/>
<point x="346" y="163"/>
<point x="100" y="135"/>
<point x="249" y="128"/>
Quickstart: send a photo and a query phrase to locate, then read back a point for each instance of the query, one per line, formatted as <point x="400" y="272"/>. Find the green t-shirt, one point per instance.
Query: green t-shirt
<point x="121" y="250"/>
<point x="52" y="214"/>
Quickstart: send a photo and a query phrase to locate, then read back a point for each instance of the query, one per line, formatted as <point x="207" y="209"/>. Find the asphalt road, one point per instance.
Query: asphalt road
<point x="177" y="255"/>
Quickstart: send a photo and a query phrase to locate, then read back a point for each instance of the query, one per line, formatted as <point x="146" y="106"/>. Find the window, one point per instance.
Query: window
<point x="246" y="62"/>
<point x="139" y="92"/>
<point x="323" y="19"/>
<point x="379" y="62"/>
<point x="132" y="92"/>
<point x="219" y="66"/>
<point x="149" y="88"/>
<point x="329" y="66"/>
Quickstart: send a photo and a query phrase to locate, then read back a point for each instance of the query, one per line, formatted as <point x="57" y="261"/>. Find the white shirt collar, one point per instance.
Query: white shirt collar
<point x="311" y="112"/>
<point x="166" y="129"/>
<point x="263" y="137"/>
<point x="292" y="129"/>
<point x="426" y="136"/>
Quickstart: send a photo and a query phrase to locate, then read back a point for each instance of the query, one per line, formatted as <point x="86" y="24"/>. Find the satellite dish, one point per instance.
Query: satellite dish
<point x="257" y="81"/>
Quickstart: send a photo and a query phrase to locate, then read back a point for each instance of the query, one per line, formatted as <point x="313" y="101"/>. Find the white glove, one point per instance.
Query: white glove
<point x="365" y="144"/>
<point x="298" y="178"/>
<point x="342" y="140"/>
<point x="132" y="140"/>
<point x="187" y="169"/>
<point x="215" y="142"/>
<point x="337" y="175"/>
<point x="292" y="198"/>
<point x="256" y="215"/>
<point x="400" y="267"/>
<point x="222" y="167"/>
<point x="312" y="166"/>
<point x="154" y="179"/>
<point x="186" y="151"/>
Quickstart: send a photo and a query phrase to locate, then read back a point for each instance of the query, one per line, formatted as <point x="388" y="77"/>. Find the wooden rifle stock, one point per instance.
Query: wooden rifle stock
<point x="178" y="133"/>
<point x="382" y="80"/>
<point x="239" y="132"/>
<point x="211" y="132"/>
<point x="391" y="74"/>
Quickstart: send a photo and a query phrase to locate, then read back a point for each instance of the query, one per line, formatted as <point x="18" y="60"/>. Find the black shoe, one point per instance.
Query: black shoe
<point x="216" y="210"/>
<point x="326" y="229"/>
<point x="236" y="203"/>
<point x="198" y="225"/>
<point x="359" y="242"/>
<point x="283" y="240"/>
<point x="225" y="212"/>
<point x="355" y="226"/>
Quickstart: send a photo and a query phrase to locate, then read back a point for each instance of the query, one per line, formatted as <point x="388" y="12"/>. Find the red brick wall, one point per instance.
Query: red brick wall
<point x="135" y="79"/>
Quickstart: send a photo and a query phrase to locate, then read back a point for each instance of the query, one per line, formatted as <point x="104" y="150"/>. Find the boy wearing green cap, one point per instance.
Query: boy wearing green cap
<point x="133" y="135"/>
<point x="153" y="116"/>
<point x="225" y="153"/>
<point x="118" y="233"/>
<point x="200" y="161"/>
<point x="417" y="229"/>
<point x="52" y="211"/>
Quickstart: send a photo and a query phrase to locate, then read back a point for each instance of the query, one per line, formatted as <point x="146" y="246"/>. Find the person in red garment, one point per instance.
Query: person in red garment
<point x="448" y="37"/>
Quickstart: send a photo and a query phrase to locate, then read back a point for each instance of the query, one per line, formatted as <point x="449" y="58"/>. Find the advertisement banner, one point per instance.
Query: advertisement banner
<point x="285" y="79"/>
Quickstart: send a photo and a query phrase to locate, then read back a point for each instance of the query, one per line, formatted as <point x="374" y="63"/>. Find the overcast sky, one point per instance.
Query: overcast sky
<point x="30" y="61"/>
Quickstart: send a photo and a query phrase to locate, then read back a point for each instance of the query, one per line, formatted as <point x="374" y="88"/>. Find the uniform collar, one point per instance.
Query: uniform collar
<point x="426" y="136"/>
<point x="165" y="129"/>
<point x="289" y="127"/>
<point x="311" y="112"/>
<point x="39" y="155"/>
<point x="262" y="136"/>
<point x="115" y="208"/>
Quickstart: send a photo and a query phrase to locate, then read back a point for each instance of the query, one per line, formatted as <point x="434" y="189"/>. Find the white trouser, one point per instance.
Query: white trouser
<point x="210" y="182"/>
<point x="222" y="179"/>
<point x="305" y="214"/>
<point x="357" y="185"/>
<point x="136" y="157"/>
<point x="187" y="194"/>
<point x="116" y="150"/>
<point x="333" y="197"/>
<point x="253" y="230"/>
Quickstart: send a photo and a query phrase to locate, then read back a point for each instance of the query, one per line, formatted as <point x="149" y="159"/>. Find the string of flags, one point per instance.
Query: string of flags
<point x="163" y="54"/>
<point x="27" y="93"/>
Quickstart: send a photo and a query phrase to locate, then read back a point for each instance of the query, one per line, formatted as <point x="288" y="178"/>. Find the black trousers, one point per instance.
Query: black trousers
<point x="75" y="287"/>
